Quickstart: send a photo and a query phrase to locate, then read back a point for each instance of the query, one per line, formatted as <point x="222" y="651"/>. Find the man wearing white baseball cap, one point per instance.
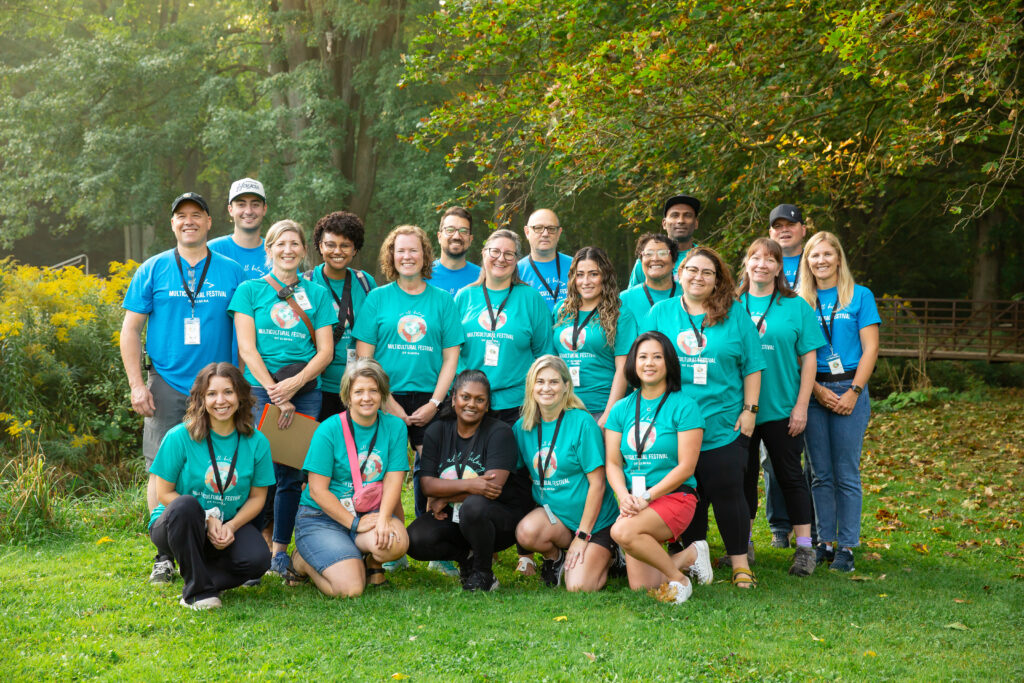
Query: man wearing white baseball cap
<point x="247" y="205"/>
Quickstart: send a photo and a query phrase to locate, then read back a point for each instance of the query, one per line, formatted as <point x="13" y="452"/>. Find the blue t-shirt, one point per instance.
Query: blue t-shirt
<point x="555" y="273"/>
<point x="637" y="276"/>
<point x="330" y="380"/>
<point x="592" y="354"/>
<point x="849" y="321"/>
<point x="791" y="267"/>
<point x="452" y="281"/>
<point x="253" y="261"/>
<point x="157" y="290"/>
<point x="636" y="298"/>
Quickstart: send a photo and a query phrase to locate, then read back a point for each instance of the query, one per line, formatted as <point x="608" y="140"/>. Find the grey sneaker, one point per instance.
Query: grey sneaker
<point x="163" y="572"/>
<point x="843" y="561"/>
<point x="804" y="562"/>
<point x="780" y="539"/>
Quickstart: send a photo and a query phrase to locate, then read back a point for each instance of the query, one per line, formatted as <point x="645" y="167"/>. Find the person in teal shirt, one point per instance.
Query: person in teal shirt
<point x="332" y="532"/>
<point x="210" y="476"/>
<point x="506" y="324"/>
<point x="790" y="338"/>
<point x="656" y="253"/>
<point x="593" y="332"/>
<point x="338" y="237"/>
<point x="651" y="470"/>
<point x="560" y="446"/>
<point x="721" y="363"/>
<point x="679" y="222"/>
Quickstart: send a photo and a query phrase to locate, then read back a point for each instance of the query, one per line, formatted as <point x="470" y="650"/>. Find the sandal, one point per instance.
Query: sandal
<point x="375" y="571"/>
<point x="291" y="576"/>
<point x="741" y="575"/>
<point x="526" y="566"/>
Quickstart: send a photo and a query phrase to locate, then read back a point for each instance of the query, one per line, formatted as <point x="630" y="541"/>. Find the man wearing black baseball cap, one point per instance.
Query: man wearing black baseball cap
<point x="181" y="296"/>
<point x="786" y="226"/>
<point x="679" y="221"/>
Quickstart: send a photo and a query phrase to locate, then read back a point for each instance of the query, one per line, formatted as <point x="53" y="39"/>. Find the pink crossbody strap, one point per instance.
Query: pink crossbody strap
<point x="353" y="459"/>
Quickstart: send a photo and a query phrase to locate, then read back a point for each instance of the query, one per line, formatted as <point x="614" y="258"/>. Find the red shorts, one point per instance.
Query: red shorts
<point x="676" y="510"/>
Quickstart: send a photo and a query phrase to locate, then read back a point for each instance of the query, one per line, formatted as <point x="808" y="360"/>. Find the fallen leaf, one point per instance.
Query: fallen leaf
<point x="874" y="557"/>
<point x="921" y="548"/>
<point x="562" y="618"/>
<point x="859" y="577"/>
<point x="957" y="626"/>
<point x="413" y="637"/>
<point x="591" y="656"/>
<point x="398" y="676"/>
<point x="961" y="601"/>
<point x="870" y="653"/>
<point x="817" y="639"/>
<point x="105" y="539"/>
<point x="883" y="595"/>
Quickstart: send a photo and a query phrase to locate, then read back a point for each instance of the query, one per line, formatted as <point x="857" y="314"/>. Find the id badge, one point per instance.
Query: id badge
<point x="191" y="331"/>
<point x="302" y="300"/>
<point x="491" y="351"/>
<point x="350" y="356"/>
<point x="835" y="364"/>
<point x="456" y="507"/>
<point x="638" y="485"/>
<point x="347" y="504"/>
<point x="550" y="514"/>
<point x="574" y="372"/>
<point x="700" y="373"/>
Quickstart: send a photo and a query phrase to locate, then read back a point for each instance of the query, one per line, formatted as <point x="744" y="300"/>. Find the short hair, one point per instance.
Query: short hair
<point x="364" y="367"/>
<point x="456" y="211"/>
<point x="386" y="260"/>
<point x="197" y="420"/>
<point x="724" y="294"/>
<point x="673" y="376"/>
<point x="279" y="228"/>
<point x="657" y="237"/>
<point x="774" y="250"/>
<point x="499" y="234"/>
<point x="530" y="410"/>
<point x="343" y="223"/>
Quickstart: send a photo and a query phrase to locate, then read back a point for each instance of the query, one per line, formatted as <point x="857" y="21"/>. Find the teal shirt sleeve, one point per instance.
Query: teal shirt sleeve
<point x="615" y="416"/>
<point x="637" y="276"/>
<point x="263" y="464"/>
<point x="540" y="316"/>
<point x="323" y="314"/>
<point x="591" y="446"/>
<point x="809" y="335"/>
<point x="170" y="458"/>
<point x="365" y="329"/>
<point x="322" y="447"/>
<point x="242" y="300"/>
<point x="452" y="333"/>
<point x="753" y="356"/>
<point x="625" y="331"/>
<point x="398" y="438"/>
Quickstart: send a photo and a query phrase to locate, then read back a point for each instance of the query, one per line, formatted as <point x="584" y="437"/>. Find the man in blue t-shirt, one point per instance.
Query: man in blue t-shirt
<point x="247" y="206"/>
<point x="180" y="299"/>
<point x="452" y="272"/>
<point x="679" y="221"/>
<point x="545" y="269"/>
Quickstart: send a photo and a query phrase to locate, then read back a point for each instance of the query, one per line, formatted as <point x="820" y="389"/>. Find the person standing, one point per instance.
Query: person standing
<point x="545" y="268"/>
<point x="656" y="254"/>
<point x="247" y="206"/>
<point x="679" y="220"/>
<point x="180" y="298"/>
<point x="452" y="271"/>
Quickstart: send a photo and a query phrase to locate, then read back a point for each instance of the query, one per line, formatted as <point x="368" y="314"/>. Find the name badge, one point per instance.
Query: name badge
<point x="574" y="372"/>
<point x="350" y="356"/>
<point x="491" y="351"/>
<point x="700" y="373"/>
<point x="835" y="364"/>
<point x="638" y="485"/>
<point x="456" y="507"/>
<point x="302" y="300"/>
<point x="347" y="504"/>
<point x="191" y="331"/>
<point x="551" y="515"/>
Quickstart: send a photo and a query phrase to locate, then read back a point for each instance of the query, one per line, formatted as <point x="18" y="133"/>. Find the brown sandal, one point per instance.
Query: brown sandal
<point x="743" y="575"/>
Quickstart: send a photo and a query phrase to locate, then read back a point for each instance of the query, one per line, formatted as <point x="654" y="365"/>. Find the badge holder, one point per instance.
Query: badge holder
<point x="835" y="364"/>
<point x="700" y="373"/>
<point x="491" y="352"/>
<point x="574" y="372"/>
<point x="638" y="485"/>
<point x="550" y="514"/>
<point x="192" y="331"/>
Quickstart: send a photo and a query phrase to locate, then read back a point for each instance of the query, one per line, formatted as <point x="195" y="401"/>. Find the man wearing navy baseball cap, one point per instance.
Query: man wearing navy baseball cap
<point x="786" y="226"/>
<point x="679" y="221"/>
<point x="247" y="206"/>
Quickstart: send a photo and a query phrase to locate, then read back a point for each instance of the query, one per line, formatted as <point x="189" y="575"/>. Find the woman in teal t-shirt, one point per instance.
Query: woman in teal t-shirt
<point x="506" y="324"/>
<point x="593" y="332"/>
<point x="211" y="476"/>
<point x="651" y="470"/>
<point x="332" y="535"/>
<point x="789" y="339"/>
<point x="560" y="446"/>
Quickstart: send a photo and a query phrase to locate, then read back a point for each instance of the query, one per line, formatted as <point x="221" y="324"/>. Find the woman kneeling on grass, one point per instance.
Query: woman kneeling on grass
<point x="663" y="430"/>
<point x="211" y="476"/>
<point x="338" y="523"/>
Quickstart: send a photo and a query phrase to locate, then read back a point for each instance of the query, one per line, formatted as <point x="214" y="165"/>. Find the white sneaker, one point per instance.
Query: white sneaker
<point x="163" y="572"/>
<point x="526" y="566"/>
<point x="701" y="569"/>
<point x="206" y="603"/>
<point x="683" y="591"/>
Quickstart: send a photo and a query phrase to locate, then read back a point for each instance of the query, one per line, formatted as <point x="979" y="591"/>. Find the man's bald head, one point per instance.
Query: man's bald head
<point x="542" y="232"/>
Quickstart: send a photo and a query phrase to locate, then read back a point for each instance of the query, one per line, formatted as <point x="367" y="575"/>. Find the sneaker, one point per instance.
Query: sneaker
<point x="206" y="603"/>
<point x="823" y="554"/>
<point x="804" y="562"/>
<point x="163" y="572"/>
<point x="400" y="563"/>
<point x="701" y="569"/>
<point x="780" y="539"/>
<point x="279" y="563"/>
<point x="551" y="570"/>
<point x="481" y="581"/>
<point x="683" y="590"/>
<point x="252" y="583"/>
<point x="843" y="561"/>
<point x="526" y="566"/>
<point x="446" y="567"/>
<point x="617" y="569"/>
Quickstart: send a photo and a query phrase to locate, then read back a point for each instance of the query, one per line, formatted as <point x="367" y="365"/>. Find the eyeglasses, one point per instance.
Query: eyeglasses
<point x="451" y="230"/>
<point x="694" y="270"/>
<point x="344" y="248"/>
<point x="660" y="253"/>
<point x="545" y="229"/>
<point x="498" y="254"/>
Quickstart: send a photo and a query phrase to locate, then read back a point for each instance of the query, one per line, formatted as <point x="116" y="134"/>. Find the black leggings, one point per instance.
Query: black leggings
<point x="720" y="483"/>
<point x="784" y="451"/>
<point x="485" y="527"/>
<point x="180" y="532"/>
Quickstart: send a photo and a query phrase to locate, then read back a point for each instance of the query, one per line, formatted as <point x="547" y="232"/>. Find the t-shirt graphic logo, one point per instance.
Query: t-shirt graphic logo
<point x="648" y="442"/>
<point x="375" y="469"/>
<point x="540" y="456"/>
<point x="687" y="343"/>
<point x="412" y="327"/>
<point x="764" y="324"/>
<point x="565" y="339"/>
<point x="283" y="315"/>
<point x="484" y="319"/>
<point x="451" y="473"/>
<point x="211" y="480"/>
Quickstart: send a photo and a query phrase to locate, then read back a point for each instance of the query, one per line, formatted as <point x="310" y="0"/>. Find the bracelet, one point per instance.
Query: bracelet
<point x="215" y="513"/>
<point x="354" y="529"/>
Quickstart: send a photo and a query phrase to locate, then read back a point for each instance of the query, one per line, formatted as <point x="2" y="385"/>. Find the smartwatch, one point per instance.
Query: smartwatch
<point x="856" y="389"/>
<point x="751" y="407"/>
<point x="583" y="535"/>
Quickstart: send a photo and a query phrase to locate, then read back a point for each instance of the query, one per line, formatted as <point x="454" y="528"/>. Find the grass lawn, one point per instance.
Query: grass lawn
<point x="938" y="595"/>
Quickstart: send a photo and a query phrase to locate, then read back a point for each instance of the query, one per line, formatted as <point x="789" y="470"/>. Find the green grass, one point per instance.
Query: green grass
<point x="937" y="595"/>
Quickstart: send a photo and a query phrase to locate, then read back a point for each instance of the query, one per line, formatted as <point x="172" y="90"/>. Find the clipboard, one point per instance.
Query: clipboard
<point x="287" y="447"/>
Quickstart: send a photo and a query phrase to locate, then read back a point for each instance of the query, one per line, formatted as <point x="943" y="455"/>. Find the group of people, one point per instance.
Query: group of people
<point x="545" y="408"/>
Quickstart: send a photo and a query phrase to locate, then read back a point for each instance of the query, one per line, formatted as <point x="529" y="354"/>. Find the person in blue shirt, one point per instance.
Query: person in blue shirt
<point x="180" y="298"/>
<point x="247" y="206"/>
<point x="452" y="271"/>
<point x="656" y="254"/>
<point x="679" y="222"/>
<point x="838" y="414"/>
<point x="545" y="268"/>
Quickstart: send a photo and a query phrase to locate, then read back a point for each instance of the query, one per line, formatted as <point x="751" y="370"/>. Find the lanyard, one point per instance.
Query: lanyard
<point x="650" y="299"/>
<point x="551" y="448"/>
<point x="202" y="278"/>
<point x="577" y="328"/>
<point x="636" y="424"/>
<point x="345" y="313"/>
<point x="369" y="451"/>
<point x="831" y="321"/>
<point x="460" y="463"/>
<point x="746" y="303"/>
<point x="490" y="310"/>
<point x="558" y="274"/>
<point x="698" y="333"/>
<point x="216" y="467"/>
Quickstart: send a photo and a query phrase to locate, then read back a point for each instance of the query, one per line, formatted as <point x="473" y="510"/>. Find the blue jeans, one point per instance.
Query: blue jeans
<point x="284" y="497"/>
<point x="834" y="444"/>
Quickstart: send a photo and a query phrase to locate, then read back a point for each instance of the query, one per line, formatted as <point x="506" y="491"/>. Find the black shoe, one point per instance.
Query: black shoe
<point x="551" y="570"/>
<point x="480" y="581"/>
<point x="465" y="569"/>
<point x="823" y="554"/>
<point x="618" y="565"/>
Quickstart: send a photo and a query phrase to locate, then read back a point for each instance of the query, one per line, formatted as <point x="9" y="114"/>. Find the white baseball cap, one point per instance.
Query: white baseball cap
<point x="246" y="186"/>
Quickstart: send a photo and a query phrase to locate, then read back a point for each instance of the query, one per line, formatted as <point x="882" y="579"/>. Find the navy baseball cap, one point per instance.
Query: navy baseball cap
<point x="190" y="197"/>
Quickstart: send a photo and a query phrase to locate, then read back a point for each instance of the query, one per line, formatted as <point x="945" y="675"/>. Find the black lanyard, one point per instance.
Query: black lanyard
<point x="202" y="278"/>
<point x="650" y="299"/>
<point x="636" y="424"/>
<point x="369" y="451"/>
<point x="460" y="463"/>
<point x="558" y="274"/>
<point x="216" y="467"/>
<point x="699" y="333"/>
<point x="490" y="310"/>
<point x="345" y="313"/>
<point x="831" y="321"/>
<point x="746" y="303"/>
<point x="577" y="328"/>
<point x="551" y="448"/>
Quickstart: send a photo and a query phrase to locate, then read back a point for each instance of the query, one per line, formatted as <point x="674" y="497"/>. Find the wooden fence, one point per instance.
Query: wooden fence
<point x="952" y="329"/>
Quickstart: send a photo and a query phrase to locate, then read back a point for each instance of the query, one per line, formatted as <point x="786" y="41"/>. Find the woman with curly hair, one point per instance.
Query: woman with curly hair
<point x="721" y="361"/>
<point x="593" y="332"/>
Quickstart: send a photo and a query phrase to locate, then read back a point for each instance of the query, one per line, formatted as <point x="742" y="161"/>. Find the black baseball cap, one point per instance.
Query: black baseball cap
<point x="791" y="212"/>
<point x="190" y="197"/>
<point x="681" y="199"/>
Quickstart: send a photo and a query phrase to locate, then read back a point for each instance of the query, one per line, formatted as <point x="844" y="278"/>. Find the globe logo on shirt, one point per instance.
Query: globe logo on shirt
<point x="484" y="319"/>
<point x="451" y="472"/>
<point x="374" y="469"/>
<point x="412" y="327"/>
<point x="210" y="480"/>
<point x="764" y="324"/>
<point x="565" y="339"/>
<point x="283" y="315"/>
<point x="687" y="343"/>
<point x="648" y="442"/>
<point x="540" y="456"/>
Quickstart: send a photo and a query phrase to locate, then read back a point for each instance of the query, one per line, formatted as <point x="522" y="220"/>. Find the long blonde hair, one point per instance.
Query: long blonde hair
<point x="531" y="411"/>
<point x="607" y="306"/>
<point x="808" y="289"/>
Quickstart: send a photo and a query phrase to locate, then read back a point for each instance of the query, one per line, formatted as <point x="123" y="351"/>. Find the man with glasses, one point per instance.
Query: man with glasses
<point x="545" y="269"/>
<point x="452" y="272"/>
<point x="679" y="222"/>
<point x="247" y="206"/>
<point x="656" y="253"/>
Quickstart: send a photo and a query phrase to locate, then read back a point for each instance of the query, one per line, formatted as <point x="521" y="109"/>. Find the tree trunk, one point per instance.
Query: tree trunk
<point x="985" y="278"/>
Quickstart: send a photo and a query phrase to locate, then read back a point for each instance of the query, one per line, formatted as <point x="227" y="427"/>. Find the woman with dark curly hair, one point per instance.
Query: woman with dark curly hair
<point x="211" y="476"/>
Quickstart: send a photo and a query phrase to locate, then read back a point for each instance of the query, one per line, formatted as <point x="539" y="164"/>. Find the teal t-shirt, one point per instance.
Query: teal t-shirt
<point x="409" y="331"/>
<point x="636" y="298"/>
<point x="578" y="450"/>
<point x="731" y="351"/>
<point x="281" y="336"/>
<point x="521" y="334"/>
<point x="327" y="454"/>
<point x="330" y="380"/>
<point x="186" y="462"/>
<point x="661" y="450"/>
<point x="592" y="354"/>
<point x="788" y="330"/>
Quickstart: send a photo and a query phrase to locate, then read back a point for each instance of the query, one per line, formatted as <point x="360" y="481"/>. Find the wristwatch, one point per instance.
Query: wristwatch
<point x="583" y="535"/>
<point x="437" y="404"/>
<point x="752" y="407"/>
<point x="856" y="389"/>
<point x="646" y="495"/>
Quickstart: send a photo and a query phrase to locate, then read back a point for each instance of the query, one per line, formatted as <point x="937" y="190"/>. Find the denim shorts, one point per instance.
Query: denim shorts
<point x="321" y="540"/>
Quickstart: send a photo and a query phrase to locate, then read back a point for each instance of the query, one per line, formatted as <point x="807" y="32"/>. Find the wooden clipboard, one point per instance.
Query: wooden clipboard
<point x="289" y="446"/>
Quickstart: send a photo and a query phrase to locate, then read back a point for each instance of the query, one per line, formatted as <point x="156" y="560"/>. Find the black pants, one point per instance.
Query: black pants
<point x="485" y="527"/>
<point x="180" y="532"/>
<point x="784" y="451"/>
<point x="330" y="404"/>
<point x="720" y="473"/>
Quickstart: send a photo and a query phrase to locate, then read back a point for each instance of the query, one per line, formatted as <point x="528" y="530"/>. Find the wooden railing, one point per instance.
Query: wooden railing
<point x="952" y="329"/>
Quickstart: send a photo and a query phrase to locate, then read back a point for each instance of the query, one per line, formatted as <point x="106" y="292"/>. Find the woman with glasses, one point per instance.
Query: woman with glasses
<point x="656" y="252"/>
